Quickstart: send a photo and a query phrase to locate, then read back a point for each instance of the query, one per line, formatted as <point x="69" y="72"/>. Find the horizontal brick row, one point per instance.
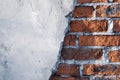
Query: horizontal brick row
<point x="91" y="1"/>
<point x="95" y="1"/>
<point x="67" y="78"/>
<point x="94" y="69"/>
<point x="93" y="26"/>
<point x="99" y="40"/>
<point x="102" y="11"/>
<point x="89" y="26"/>
<point x="91" y="40"/>
<point x="68" y="70"/>
<point x="81" y="54"/>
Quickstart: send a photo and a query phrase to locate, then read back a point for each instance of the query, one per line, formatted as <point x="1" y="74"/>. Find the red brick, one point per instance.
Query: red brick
<point x="94" y="69"/>
<point x="83" y="11"/>
<point x="105" y="11"/>
<point x="114" y="56"/>
<point x="67" y="78"/>
<point x="69" y="40"/>
<point x="116" y="24"/>
<point x="61" y="78"/>
<point x="81" y="54"/>
<point x="88" y="26"/>
<point x="68" y="69"/>
<point x="99" y="40"/>
<point x="91" y="1"/>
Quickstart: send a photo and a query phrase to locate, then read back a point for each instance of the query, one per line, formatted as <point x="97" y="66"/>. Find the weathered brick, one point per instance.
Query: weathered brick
<point x="107" y="11"/>
<point x="88" y="26"/>
<point x="114" y="56"/>
<point x="83" y="12"/>
<point x="116" y="0"/>
<point x="99" y="40"/>
<point x="91" y="1"/>
<point x="67" y="78"/>
<point x="116" y="24"/>
<point x="68" y="69"/>
<point x="61" y="78"/>
<point x="81" y="54"/>
<point x="69" y="40"/>
<point x="94" y="69"/>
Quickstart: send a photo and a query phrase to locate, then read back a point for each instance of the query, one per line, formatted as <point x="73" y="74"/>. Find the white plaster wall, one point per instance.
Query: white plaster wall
<point x="30" y="35"/>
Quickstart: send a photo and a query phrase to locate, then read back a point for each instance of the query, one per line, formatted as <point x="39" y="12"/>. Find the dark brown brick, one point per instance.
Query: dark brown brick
<point x="68" y="69"/>
<point x="99" y="40"/>
<point x="116" y="24"/>
<point x="91" y="1"/>
<point x="69" y="40"/>
<point x="94" y="69"/>
<point x="61" y="78"/>
<point x="81" y="54"/>
<point x="67" y="78"/>
<point x="88" y="26"/>
<point x="83" y="11"/>
<point x="114" y="56"/>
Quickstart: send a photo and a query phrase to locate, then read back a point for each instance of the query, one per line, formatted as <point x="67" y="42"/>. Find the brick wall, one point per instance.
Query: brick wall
<point x="91" y="47"/>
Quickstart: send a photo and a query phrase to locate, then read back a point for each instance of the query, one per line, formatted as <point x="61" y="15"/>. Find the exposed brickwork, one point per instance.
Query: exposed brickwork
<point x="99" y="40"/>
<point x="94" y="69"/>
<point x="83" y="11"/>
<point x="91" y="47"/>
<point x="88" y="26"/>
<point x="116" y="24"/>
<point x="68" y="69"/>
<point x="114" y="56"/>
<point x="91" y="1"/>
<point x="81" y="54"/>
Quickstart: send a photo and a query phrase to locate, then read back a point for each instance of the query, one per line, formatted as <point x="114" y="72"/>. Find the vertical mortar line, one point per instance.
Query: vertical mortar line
<point x="76" y="40"/>
<point x="94" y="17"/>
<point x="105" y="55"/>
<point x="91" y="78"/>
<point x="81" y="70"/>
<point x="110" y="26"/>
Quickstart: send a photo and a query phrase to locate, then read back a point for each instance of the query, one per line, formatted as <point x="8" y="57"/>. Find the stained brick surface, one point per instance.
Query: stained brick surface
<point x="116" y="26"/>
<point x="68" y="69"/>
<point x="94" y="69"/>
<point x="81" y="54"/>
<point x="69" y="40"/>
<point x="106" y="11"/>
<point x="91" y="1"/>
<point x="114" y="56"/>
<point x="84" y="11"/>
